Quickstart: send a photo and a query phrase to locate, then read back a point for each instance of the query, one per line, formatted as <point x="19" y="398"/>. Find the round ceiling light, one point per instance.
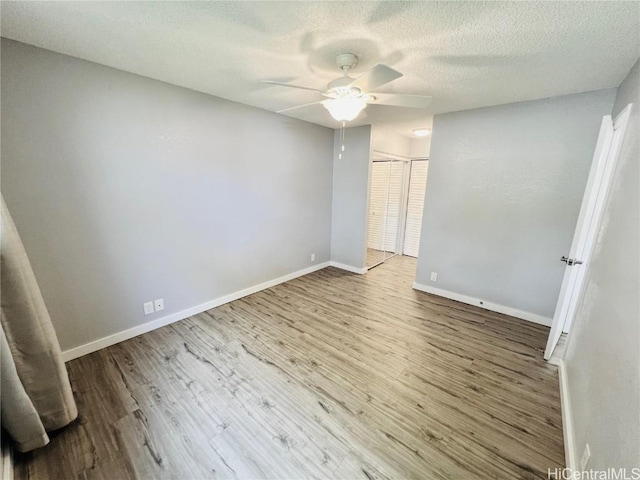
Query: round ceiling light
<point x="421" y="132"/>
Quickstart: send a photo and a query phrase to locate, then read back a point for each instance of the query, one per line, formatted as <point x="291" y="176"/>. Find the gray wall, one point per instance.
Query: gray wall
<point x="126" y="189"/>
<point x="384" y="140"/>
<point x="503" y="195"/>
<point x="421" y="147"/>
<point x="350" y="197"/>
<point x="603" y="354"/>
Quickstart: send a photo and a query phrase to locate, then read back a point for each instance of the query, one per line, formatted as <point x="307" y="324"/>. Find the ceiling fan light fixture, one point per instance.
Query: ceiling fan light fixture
<point x="421" y="132"/>
<point x="345" y="109"/>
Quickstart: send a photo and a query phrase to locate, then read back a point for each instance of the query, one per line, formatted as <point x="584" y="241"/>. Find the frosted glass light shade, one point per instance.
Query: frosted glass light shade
<point x="345" y="109"/>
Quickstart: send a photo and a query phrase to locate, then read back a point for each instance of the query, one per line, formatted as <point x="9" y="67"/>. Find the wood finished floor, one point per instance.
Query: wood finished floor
<point x="332" y="375"/>
<point x="374" y="257"/>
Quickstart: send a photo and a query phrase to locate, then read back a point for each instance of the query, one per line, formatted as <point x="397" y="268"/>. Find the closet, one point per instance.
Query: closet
<point x="396" y="197"/>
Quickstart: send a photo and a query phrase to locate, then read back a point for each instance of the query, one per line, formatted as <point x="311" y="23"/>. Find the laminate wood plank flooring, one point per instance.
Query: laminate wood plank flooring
<point x="331" y="375"/>
<point x="374" y="257"/>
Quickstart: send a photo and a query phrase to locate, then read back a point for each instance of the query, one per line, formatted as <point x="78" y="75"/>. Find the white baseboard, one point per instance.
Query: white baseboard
<point x="494" y="307"/>
<point x="567" y="419"/>
<point x="107" y="341"/>
<point x="348" y="268"/>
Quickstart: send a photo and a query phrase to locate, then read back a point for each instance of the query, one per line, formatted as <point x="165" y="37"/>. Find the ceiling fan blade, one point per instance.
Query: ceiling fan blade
<point x="398" y="100"/>
<point x="271" y="82"/>
<point x="375" y="77"/>
<point x="299" y="106"/>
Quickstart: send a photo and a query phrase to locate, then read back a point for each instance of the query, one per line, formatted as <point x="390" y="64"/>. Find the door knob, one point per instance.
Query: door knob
<point x="570" y="261"/>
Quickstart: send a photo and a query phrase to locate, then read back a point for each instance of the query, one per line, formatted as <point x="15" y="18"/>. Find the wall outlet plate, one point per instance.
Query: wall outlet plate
<point x="313" y="257"/>
<point x="148" y="308"/>
<point x="159" y="304"/>
<point x="434" y="276"/>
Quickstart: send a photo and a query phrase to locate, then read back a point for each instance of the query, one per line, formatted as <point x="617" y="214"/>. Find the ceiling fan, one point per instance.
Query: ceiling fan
<point x="347" y="97"/>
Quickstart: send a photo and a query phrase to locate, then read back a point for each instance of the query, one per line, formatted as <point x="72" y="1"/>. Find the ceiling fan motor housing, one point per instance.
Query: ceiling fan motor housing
<point x="340" y="86"/>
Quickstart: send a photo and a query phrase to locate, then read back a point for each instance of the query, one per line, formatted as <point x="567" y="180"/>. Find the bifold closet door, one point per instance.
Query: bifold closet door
<point x="415" y="206"/>
<point x="377" y="205"/>
<point x="393" y="211"/>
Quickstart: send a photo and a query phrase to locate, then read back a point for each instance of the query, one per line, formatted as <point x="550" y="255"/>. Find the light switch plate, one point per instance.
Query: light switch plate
<point x="148" y="308"/>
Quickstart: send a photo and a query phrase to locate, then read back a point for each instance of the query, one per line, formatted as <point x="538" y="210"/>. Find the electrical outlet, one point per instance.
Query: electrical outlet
<point x="586" y="455"/>
<point x="159" y="304"/>
<point x="434" y="276"/>
<point x="148" y="308"/>
<point x="313" y="257"/>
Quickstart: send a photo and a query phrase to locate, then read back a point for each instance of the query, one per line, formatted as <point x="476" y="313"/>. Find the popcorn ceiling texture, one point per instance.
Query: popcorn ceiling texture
<point x="464" y="54"/>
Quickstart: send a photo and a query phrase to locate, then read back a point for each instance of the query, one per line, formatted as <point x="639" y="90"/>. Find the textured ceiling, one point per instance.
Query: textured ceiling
<point x="464" y="54"/>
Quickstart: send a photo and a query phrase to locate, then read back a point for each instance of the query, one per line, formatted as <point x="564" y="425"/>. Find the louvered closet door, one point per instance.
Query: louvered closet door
<point x="377" y="204"/>
<point x="415" y="205"/>
<point x="393" y="211"/>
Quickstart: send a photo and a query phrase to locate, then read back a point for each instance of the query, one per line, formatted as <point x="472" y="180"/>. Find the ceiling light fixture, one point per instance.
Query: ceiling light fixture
<point x="421" y="132"/>
<point x="345" y="109"/>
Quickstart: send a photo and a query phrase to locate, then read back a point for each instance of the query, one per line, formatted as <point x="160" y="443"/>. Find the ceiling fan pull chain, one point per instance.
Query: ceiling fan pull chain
<point x="341" y="140"/>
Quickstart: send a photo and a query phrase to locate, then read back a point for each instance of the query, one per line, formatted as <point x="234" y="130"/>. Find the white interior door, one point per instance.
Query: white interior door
<point x="415" y="206"/>
<point x="604" y="159"/>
